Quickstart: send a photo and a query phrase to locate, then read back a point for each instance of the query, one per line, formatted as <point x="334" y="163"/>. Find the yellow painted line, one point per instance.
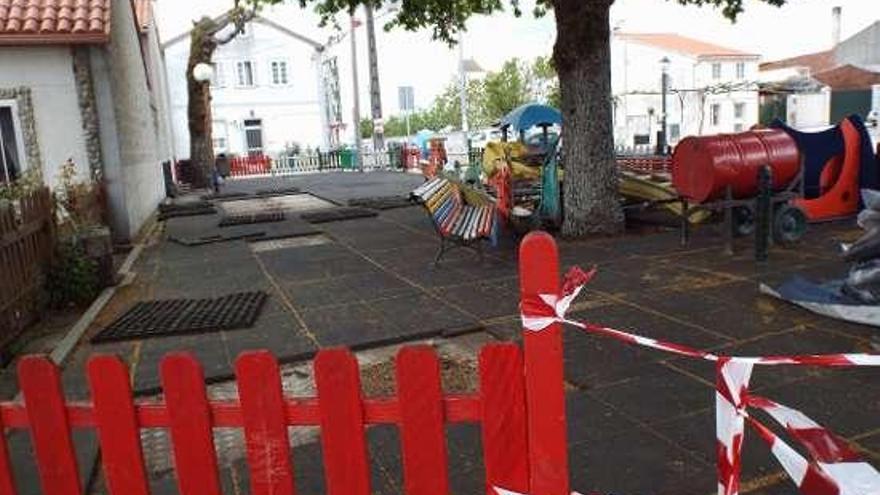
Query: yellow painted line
<point x="286" y="300"/>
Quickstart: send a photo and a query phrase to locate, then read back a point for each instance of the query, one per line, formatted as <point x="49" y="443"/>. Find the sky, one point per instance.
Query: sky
<point x="413" y="59"/>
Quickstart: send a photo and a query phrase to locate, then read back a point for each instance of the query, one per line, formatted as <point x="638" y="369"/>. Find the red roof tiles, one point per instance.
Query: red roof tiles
<point x="54" y="21"/>
<point x="682" y="44"/>
<point x="816" y="62"/>
<point x="848" y="77"/>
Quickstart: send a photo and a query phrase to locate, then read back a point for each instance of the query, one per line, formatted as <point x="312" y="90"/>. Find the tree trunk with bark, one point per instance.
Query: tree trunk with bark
<point x="204" y="40"/>
<point x="201" y="148"/>
<point x="582" y="57"/>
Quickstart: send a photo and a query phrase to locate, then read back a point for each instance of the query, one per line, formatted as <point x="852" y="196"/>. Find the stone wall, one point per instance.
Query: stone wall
<point x="85" y="92"/>
<point x="22" y="97"/>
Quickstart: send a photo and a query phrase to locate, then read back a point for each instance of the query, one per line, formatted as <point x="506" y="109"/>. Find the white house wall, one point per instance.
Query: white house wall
<point x="636" y="85"/>
<point x="48" y="72"/>
<point x="290" y="113"/>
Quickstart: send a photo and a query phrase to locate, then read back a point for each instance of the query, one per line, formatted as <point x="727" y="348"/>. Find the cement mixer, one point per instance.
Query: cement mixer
<point x="721" y="173"/>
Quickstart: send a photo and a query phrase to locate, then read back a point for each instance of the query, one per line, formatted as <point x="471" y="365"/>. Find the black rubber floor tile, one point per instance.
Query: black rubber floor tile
<point x="589" y="420"/>
<point x="799" y="341"/>
<point x="642" y="319"/>
<point x="844" y="401"/>
<point x="430" y="276"/>
<point x="696" y="433"/>
<point x="656" y="395"/>
<point x="637" y="462"/>
<point x="208" y="349"/>
<point x="730" y="319"/>
<point x="593" y="361"/>
<point x="483" y="299"/>
<point x="422" y="316"/>
<point x="279" y="334"/>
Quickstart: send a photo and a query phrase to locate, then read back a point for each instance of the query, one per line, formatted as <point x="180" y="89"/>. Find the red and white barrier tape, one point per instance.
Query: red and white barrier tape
<point x="835" y="469"/>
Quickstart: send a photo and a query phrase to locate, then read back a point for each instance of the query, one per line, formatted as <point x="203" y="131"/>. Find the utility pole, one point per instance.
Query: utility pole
<point x="462" y="82"/>
<point x="375" y="93"/>
<point x="357" y="99"/>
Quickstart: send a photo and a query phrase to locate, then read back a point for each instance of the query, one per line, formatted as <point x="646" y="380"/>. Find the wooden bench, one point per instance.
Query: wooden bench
<point x="462" y="216"/>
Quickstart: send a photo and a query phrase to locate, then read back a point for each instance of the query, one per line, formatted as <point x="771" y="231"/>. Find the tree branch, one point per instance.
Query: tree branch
<point x="239" y="18"/>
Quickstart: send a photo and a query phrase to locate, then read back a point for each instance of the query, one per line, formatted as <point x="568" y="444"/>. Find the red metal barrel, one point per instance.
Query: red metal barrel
<point x="703" y="166"/>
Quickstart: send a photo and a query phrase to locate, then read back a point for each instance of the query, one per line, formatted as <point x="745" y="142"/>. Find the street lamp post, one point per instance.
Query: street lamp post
<point x="664" y="87"/>
<point x="357" y="100"/>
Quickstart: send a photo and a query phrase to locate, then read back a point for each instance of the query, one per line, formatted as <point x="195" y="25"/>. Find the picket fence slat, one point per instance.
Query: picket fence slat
<point x="40" y="383"/>
<point x="545" y="392"/>
<point x="265" y="424"/>
<point x="422" y="432"/>
<point x="346" y="469"/>
<point x="505" y="444"/>
<point x="189" y="415"/>
<point x="119" y="434"/>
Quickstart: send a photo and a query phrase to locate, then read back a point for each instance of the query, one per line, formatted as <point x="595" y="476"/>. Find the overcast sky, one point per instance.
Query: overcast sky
<point x="801" y="26"/>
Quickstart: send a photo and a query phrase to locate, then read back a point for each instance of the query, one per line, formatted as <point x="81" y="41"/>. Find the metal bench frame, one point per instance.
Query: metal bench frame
<point x="448" y="241"/>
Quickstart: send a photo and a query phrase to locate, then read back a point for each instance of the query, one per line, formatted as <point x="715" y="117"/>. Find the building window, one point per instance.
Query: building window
<point x="715" y="114"/>
<point x="218" y="80"/>
<point x="716" y="70"/>
<point x="737" y="127"/>
<point x="245" y="71"/>
<point x="739" y="110"/>
<point x="279" y="73"/>
<point x="219" y="144"/>
<point x="11" y="152"/>
<point x="641" y="139"/>
<point x="740" y="70"/>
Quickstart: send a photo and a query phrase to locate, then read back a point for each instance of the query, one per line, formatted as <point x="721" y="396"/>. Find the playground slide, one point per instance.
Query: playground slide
<point x="837" y="163"/>
<point x="842" y="198"/>
<point x="644" y="188"/>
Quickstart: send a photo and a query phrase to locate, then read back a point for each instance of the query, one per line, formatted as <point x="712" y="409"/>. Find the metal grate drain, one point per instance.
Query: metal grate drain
<point x="181" y="316"/>
<point x="249" y="218"/>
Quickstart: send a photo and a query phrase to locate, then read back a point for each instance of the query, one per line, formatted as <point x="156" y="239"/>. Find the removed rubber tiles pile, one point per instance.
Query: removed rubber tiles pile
<point x="167" y="211"/>
<point x="248" y="218"/>
<point x="336" y="214"/>
<point x="183" y="316"/>
<point x="382" y="203"/>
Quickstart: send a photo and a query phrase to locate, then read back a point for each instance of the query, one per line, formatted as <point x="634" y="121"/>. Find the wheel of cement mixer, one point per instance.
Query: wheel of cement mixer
<point x="789" y="224"/>
<point x="743" y="221"/>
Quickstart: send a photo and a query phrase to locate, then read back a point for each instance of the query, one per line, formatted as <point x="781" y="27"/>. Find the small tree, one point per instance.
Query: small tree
<point x="206" y="35"/>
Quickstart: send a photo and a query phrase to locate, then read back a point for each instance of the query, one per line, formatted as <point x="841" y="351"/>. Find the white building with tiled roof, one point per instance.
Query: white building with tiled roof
<point x="711" y="89"/>
<point x="81" y="80"/>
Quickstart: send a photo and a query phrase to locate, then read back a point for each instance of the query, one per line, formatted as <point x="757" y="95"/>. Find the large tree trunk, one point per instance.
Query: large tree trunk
<point x="582" y="58"/>
<point x="201" y="148"/>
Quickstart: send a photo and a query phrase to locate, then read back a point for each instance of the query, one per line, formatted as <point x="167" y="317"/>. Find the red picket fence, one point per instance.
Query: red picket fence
<point x="652" y="164"/>
<point x="520" y="407"/>
<point x="250" y="165"/>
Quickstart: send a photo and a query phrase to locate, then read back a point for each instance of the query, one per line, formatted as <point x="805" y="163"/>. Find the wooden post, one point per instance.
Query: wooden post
<point x="545" y="392"/>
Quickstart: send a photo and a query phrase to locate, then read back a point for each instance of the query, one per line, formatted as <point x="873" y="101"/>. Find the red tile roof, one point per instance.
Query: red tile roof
<point x="682" y="44"/>
<point x="848" y="77"/>
<point x="816" y="62"/>
<point x="25" y="22"/>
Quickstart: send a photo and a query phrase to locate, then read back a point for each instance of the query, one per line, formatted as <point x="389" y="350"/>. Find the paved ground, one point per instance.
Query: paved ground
<point x="639" y="421"/>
